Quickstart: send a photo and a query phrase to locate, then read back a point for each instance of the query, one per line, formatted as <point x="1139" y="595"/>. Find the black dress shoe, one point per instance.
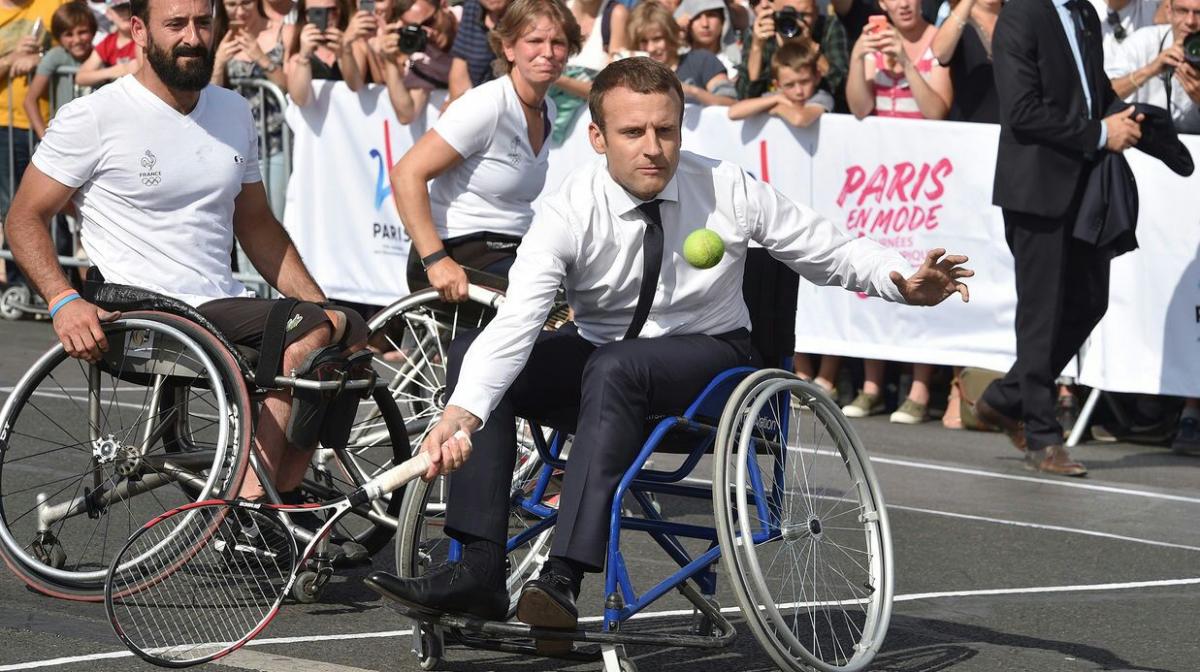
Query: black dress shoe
<point x="548" y="602"/>
<point x="449" y="588"/>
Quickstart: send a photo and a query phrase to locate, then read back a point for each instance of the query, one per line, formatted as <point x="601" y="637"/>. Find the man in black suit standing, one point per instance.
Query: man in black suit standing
<point x="1058" y="113"/>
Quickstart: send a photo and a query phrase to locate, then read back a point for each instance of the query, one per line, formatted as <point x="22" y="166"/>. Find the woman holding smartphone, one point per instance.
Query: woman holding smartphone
<point x="486" y="156"/>
<point x="330" y="44"/>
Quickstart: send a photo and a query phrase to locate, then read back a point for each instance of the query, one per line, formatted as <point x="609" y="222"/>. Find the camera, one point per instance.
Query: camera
<point x="1191" y="50"/>
<point x="413" y="39"/>
<point x="788" y="23"/>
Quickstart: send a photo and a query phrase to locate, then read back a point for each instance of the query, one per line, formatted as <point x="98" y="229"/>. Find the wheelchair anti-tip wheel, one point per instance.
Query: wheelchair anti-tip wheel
<point x="88" y="453"/>
<point x="802" y="526"/>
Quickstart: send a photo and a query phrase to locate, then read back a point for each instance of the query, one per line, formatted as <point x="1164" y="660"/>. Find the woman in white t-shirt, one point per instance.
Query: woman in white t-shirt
<point x="486" y="156"/>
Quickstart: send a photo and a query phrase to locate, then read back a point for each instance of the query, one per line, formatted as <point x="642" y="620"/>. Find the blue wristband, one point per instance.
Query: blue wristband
<point x="62" y="302"/>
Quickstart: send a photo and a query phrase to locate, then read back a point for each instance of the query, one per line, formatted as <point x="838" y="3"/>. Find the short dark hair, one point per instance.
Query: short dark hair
<point x="140" y="9"/>
<point x="69" y="16"/>
<point x="638" y="74"/>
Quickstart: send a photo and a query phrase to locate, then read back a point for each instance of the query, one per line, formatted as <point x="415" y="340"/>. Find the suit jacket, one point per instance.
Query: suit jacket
<point x="1047" y="141"/>
<point x="1108" y="213"/>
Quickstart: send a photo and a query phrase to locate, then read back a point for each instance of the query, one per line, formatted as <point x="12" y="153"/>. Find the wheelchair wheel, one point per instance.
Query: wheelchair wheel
<point x="412" y="337"/>
<point x="378" y="439"/>
<point x="88" y="453"/>
<point x="802" y="526"/>
<point x="422" y="544"/>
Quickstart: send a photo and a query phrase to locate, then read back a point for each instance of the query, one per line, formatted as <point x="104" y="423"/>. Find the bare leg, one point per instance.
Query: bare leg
<point x="278" y="461"/>
<point x="873" y="370"/>
<point x="919" y="392"/>
<point x="827" y="375"/>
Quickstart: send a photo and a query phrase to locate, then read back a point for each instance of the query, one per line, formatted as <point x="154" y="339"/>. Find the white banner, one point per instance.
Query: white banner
<point x="911" y="185"/>
<point x="1149" y="341"/>
<point x="340" y="210"/>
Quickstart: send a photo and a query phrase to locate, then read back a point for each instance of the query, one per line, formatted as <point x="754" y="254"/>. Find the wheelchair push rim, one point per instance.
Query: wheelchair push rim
<point x="806" y="541"/>
<point x="130" y="466"/>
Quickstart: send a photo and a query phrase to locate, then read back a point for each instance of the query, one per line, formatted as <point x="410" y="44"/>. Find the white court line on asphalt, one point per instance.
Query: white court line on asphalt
<point x="910" y="597"/>
<point x="1042" y="526"/>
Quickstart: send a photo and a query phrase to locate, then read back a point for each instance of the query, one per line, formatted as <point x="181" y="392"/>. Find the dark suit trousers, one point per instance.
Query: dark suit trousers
<point x="606" y="395"/>
<point x="1062" y="292"/>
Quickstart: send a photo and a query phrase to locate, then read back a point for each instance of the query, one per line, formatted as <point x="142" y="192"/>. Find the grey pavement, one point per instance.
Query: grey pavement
<point x="997" y="569"/>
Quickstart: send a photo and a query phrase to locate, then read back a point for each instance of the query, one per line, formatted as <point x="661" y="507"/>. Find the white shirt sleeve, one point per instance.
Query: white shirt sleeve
<point x="469" y="124"/>
<point x="816" y="249"/>
<point x="252" y="172"/>
<point x="501" y="350"/>
<point x="70" y="151"/>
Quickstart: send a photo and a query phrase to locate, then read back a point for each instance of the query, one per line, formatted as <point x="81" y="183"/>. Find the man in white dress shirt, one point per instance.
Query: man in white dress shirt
<point x="1150" y="67"/>
<point x="636" y="348"/>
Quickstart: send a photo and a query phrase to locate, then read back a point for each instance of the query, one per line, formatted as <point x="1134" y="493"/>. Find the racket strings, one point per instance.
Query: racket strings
<point x="196" y="583"/>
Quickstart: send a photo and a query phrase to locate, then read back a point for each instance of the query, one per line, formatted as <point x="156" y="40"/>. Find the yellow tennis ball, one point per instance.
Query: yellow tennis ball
<point x="703" y="248"/>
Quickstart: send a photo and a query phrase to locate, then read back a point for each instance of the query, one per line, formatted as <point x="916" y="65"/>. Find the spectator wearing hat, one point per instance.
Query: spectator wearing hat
<point x="760" y="42"/>
<point x="653" y="31"/>
<point x="116" y="54"/>
<point x="708" y="26"/>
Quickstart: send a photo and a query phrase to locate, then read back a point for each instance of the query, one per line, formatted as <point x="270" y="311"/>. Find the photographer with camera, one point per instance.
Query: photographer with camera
<point x="416" y="53"/>
<point x="330" y="44"/>
<point x="1160" y="65"/>
<point x="781" y="21"/>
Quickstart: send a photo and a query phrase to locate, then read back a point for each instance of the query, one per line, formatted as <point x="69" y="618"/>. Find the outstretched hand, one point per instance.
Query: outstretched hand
<point x="937" y="279"/>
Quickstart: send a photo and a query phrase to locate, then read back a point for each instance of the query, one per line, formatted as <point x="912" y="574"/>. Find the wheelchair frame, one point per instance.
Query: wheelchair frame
<point x="711" y="630"/>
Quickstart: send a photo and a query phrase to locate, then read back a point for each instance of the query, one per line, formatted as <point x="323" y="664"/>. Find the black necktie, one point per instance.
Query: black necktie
<point x="652" y="252"/>
<point x="1081" y="35"/>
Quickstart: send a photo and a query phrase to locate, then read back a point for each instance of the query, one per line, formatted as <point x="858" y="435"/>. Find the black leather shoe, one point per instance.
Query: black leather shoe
<point x="449" y="588"/>
<point x="548" y="602"/>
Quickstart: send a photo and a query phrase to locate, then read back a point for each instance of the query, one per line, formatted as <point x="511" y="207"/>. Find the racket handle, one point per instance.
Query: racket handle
<point x="397" y="476"/>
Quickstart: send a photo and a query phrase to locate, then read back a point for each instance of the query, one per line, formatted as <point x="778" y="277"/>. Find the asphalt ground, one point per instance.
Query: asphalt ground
<point x="996" y="569"/>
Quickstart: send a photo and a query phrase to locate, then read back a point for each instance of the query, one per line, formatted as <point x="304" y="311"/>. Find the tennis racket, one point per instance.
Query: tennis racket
<point x="199" y="581"/>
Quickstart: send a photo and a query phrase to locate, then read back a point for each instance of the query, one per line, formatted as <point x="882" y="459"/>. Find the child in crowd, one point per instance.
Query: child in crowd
<point x="73" y="26"/>
<point x="796" y="74"/>
<point x="115" y="55"/>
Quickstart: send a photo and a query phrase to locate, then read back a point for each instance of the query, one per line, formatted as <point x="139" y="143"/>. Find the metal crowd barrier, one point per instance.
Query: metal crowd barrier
<point x="18" y="300"/>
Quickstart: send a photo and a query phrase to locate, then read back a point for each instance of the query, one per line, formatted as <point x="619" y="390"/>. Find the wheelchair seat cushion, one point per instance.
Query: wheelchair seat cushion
<point x="125" y="298"/>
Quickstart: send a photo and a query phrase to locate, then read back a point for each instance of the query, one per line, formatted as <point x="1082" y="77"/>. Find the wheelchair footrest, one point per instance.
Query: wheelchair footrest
<point x="519" y="638"/>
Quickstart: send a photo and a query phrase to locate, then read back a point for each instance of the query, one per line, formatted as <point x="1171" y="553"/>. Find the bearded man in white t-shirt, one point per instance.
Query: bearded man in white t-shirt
<point x="163" y="168"/>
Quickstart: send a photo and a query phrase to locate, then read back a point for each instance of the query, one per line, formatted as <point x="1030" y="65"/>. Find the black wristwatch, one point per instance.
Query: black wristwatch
<point x="432" y="259"/>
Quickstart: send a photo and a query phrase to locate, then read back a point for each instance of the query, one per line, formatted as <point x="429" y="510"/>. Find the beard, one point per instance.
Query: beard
<point x="193" y="76"/>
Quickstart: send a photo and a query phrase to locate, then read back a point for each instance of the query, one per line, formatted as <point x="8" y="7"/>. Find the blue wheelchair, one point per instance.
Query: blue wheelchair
<point x="798" y="522"/>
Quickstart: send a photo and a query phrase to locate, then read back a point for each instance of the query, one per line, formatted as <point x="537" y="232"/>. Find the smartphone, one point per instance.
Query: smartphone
<point x="367" y="6"/>
<point x="36" y="32"/>
<point x="876" y="22"/>
<point x="319" y="17"/>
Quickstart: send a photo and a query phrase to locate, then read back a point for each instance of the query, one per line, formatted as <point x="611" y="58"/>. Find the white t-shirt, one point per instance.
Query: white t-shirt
<point x="1136" y="52"/>
<point x="494" y="186"/>
<point x="156" y="187"/>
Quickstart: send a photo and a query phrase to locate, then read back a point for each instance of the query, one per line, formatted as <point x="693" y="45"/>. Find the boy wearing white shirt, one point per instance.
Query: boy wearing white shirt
<point x="650" y="332"/>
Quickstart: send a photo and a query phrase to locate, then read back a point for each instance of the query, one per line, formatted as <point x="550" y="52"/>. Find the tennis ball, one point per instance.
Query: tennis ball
<point x="703" y="249"/>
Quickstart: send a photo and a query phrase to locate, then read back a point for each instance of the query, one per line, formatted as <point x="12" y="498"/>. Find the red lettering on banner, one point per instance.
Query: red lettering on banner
<point x="875" y="186"/>
<point x="942" y="169"/>
<point x="855" y="175"/>
<point x="762" y="161"/>
<point x="892" y="203"/>
<point x="904" y="174"/>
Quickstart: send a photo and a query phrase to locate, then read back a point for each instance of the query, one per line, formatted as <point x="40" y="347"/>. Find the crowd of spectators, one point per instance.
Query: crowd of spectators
<point x="791" y="59"/>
